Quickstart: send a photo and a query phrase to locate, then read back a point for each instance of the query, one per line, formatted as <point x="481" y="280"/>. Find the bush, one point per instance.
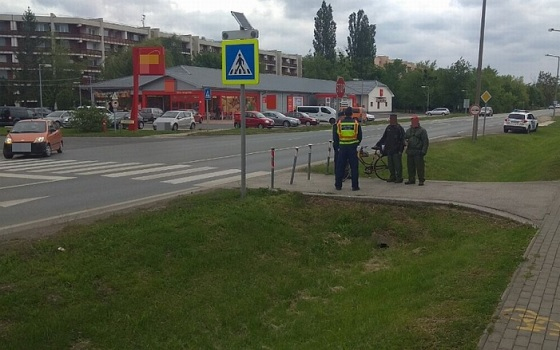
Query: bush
<point x="89" y="119"/>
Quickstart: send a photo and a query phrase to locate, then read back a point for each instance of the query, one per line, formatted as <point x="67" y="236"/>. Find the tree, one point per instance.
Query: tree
<point x="324" y="41"/>
<point x="208" y="60"/>
<point x="361" y="44"/>
<point x="29" y="59"/>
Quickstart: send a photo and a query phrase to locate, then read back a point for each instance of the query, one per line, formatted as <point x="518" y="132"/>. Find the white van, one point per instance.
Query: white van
<point x="321" y="113"/>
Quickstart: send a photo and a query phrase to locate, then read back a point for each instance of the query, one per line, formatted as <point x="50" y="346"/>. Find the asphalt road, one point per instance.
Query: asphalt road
<point x="95" y="177"/>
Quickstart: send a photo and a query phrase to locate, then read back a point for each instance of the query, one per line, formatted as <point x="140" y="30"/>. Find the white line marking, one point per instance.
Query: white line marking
<point x="96" y="172"/>
<point x="173" y="173"/>
<point x="202" y="176"/>
<point x="19" y="201"/>
<point x="230" y="179"/>
<point x="146" y="171"/>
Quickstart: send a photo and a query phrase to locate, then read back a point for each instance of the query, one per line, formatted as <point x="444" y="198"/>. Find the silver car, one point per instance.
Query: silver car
<point x="175" y="120"/>
<point x="281" y="120"/>
<point x="61" y="118"/>
<point x="150" y="114"/>
<point x="438" y="111"/>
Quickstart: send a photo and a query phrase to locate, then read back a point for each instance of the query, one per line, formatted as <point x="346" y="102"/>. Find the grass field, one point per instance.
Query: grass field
<point x="279" y="270"/>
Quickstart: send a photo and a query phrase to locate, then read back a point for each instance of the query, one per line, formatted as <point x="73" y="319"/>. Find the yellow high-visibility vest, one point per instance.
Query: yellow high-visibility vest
<point x="347" y="132"/>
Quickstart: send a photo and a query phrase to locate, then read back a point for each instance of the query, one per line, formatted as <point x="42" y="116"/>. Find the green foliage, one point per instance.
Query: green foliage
<point x="89" y="119"/>
<point x="28" y="44"/>
<point x="324" y="41"/>
<point x="361" y="44"/>
<point x="208" y="59"/>
<point x="305" y="273"/>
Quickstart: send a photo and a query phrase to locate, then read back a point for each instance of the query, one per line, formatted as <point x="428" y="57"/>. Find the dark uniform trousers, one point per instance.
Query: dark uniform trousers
<point x="415" y="164"/>
<point x="346" y="154"/>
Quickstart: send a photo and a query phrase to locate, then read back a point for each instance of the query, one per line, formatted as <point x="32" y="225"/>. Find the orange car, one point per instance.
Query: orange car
<point x="34" y="136"/>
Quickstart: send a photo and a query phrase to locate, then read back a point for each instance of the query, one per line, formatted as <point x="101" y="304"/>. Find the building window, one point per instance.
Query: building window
<point x="135" y="37"/>
<point x="3" y="74"/>
<point x="2" y="41"/>
<point x="61" y="28"/>
<point x="43" y="27"/>
<point x="91" y="31"/>
<point x="3" y="59"/>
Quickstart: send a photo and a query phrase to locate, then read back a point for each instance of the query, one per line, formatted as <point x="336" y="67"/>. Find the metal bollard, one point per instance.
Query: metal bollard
<point x="272" y="168"/>
<point x="309" y="163"/>
<point x="294" y="167"/>
<point x="328" y="157"/>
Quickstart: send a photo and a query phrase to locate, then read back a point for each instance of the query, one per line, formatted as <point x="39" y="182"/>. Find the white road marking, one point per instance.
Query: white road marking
<point x="173" y="173"/>
<point x="19" y="201"/>
<point x="201" y="176"/>
<point x="146" y="171"/>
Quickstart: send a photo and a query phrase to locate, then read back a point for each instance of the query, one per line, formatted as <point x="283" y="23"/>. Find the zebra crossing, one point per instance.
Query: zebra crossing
<point x="165" y="173"/>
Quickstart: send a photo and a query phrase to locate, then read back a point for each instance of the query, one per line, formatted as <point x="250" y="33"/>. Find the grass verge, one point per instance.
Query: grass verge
<point x="275" y="270"/>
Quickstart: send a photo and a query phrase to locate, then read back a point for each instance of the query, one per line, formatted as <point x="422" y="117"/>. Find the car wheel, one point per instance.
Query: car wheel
<point x="286" y="124"/>
<point x="429" y="114"/>
<point x="536" y="127"/>
<point x="48" y="150"/>
<point x="175" y="127"/>
<point x="236" y="125"/>
<point x="526" y="131"/>
<point x="59" y="150"/>
<point x="8" y="155"/>
<point x="193" y="126"/>
<point x="307" y="123"/>
<point x="140" y="125"/>
<point x="332" y="121"/>
<point x="261" y="126"/>
<point x="505" y="130"/>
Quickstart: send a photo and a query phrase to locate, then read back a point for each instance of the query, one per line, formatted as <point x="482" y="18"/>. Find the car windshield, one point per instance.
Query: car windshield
<point x="170" y="114"/>
<point x="55" y="114"/>
<point x="29" y="127"/>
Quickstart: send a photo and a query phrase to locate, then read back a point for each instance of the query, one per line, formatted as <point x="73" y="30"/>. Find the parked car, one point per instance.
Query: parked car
<point x="58" y="117"/>
<point x="175" y="120"/>
<point x="40" y="112"/>
<point x="150" y="114"/>
<point x="370" y="117"/>
<point x="321" y="113"/>
<point x="9" y="115"/>
<point x="521" y="121"/>
<point x="253" y="119"/>
<point x="554" y="106"/>
<point x="486" y="112"/>
<point x="358" y="113"/>
<point x="124" y="118"/>
<point x="67" y="119"/>
<point x="304" y="118"/>
<point x="197" y="116"/>
<point x="33" y="137"/>
<point x="438" y="111"/>
<point x="281" y="119"/>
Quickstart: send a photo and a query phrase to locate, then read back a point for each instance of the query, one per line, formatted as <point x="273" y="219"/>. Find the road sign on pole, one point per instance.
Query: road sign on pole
<point x="486" y="96"/>
<point x="240" y="62"/>
<point x="340" y="87"/>
<point x="207" y="94"/>
<point x="475" y="110"/>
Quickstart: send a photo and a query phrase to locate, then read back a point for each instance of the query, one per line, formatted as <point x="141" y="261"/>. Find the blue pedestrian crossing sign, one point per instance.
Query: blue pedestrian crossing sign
<point x="207" y="94"/>
<point x="240" y="62"/>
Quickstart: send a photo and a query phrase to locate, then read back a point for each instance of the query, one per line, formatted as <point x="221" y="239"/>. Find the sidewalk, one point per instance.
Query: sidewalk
<point x="528" y="316"/>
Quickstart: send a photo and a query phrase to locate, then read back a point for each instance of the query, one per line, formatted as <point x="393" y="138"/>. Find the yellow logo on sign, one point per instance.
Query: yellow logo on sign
<point x="486" y="96"/>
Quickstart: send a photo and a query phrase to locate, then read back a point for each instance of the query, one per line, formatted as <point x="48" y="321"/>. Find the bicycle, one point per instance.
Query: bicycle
<point x="374" y="163"/>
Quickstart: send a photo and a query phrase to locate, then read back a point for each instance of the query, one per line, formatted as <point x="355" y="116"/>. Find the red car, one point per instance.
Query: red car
<point x="303" y="117"/>
<point x="253" y="119"/>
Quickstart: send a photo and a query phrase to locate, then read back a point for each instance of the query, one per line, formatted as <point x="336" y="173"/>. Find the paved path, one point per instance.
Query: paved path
<point x="528" y="316"/>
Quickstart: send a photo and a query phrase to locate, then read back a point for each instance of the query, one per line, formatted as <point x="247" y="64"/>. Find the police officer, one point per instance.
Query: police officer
<point x="347" y="135"/>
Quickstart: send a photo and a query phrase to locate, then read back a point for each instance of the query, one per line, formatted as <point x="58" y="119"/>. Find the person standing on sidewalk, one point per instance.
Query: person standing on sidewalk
<point x="392" y="144"/>
<point x="417" y="146"/>
<point x="347" y="135"/>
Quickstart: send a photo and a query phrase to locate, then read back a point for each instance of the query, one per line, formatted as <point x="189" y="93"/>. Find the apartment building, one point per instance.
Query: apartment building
<point x="381" y="61"/>
<point x="91" y="40"/>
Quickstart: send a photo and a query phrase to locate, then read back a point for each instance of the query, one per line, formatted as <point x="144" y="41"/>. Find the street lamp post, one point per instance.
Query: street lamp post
<point x="556" y="83"/>
<point x="427" y="87"/>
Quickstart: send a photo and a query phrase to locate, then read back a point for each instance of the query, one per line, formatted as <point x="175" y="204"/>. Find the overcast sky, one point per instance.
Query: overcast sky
<point x="516" y="32"/>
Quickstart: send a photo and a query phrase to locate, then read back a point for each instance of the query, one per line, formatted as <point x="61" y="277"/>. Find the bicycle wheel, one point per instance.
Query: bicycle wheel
<point x="381" y="169"/>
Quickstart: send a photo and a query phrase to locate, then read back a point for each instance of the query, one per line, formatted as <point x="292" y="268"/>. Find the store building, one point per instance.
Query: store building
<point x="183" y="87"/>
